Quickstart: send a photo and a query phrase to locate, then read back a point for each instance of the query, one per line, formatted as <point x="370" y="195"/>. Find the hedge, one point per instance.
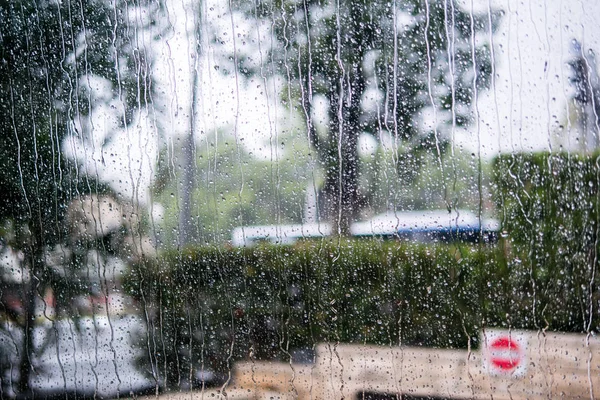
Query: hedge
<point x="548" y="206"/>
<point x="213" y="306"/>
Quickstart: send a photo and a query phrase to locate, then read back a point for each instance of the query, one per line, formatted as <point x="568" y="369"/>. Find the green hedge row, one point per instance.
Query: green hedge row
<point x="548" y="207"/>
<point x="214" y="306"/>
<point x="549" y="202"/>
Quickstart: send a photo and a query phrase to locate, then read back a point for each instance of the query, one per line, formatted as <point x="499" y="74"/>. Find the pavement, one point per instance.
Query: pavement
<point x="90" y="357"/>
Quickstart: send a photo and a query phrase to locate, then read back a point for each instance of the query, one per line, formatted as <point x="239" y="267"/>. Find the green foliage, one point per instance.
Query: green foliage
<point x="419" y="179"/>
<point x="233" y="188"/>
<point x="323" y="41"/>
<point x="48" y="50"/>
<point x="548" y="206"/>
<point x="213" y="306"/>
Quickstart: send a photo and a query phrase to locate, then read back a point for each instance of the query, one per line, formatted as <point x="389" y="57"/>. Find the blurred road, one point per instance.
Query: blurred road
<point x="91" y="357"/>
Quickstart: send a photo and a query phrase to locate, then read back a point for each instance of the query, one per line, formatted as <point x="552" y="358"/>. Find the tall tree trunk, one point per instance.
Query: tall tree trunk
<point x="342" y="195"/>
<point x="186" y="226"/>
<point x="340" y="157"/>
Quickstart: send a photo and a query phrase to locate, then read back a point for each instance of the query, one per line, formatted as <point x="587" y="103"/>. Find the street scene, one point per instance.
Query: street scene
<point x="299" y="199"/>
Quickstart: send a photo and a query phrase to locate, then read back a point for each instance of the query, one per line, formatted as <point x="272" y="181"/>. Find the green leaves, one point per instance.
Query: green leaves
<point x="234" y="188"/>
<point x="548" y="204"/>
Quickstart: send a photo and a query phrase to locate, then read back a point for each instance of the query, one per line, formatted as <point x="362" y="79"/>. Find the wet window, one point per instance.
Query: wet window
<point x="299" y="199"/>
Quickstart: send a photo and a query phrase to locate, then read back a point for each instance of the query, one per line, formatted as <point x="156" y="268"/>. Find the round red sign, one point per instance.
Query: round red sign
<point x="505" y="354"/>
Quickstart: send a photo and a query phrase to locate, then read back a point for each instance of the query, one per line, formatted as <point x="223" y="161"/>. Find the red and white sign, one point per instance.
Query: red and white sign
<point x="505" y="353"/>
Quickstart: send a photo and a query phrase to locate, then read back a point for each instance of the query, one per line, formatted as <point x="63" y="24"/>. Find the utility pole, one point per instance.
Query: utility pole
<point x="188" y="180"/>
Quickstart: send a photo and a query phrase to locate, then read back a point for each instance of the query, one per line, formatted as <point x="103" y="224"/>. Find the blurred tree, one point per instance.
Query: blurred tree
<point x="380" y="66"/>
<point x="232" y="187"/>
<point x="50" y="53"/>
<point x="586" y="96"/>
<point x="427" y="187"/>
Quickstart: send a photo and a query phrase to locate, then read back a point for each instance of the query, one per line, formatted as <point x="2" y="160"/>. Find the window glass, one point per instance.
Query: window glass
<point x="299" y="199"/>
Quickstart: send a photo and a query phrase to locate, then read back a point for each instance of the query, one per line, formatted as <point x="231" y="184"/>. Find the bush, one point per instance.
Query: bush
<point x="210" y="307"/>
<point x="548" y="205"/>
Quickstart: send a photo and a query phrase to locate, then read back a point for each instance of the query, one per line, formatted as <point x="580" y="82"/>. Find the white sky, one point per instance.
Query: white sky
<point x="521" y="113"/>
<point x="532" y="49"/>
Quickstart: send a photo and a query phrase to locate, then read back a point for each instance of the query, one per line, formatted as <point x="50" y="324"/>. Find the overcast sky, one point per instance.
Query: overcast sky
<point x="532" y="48"/>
